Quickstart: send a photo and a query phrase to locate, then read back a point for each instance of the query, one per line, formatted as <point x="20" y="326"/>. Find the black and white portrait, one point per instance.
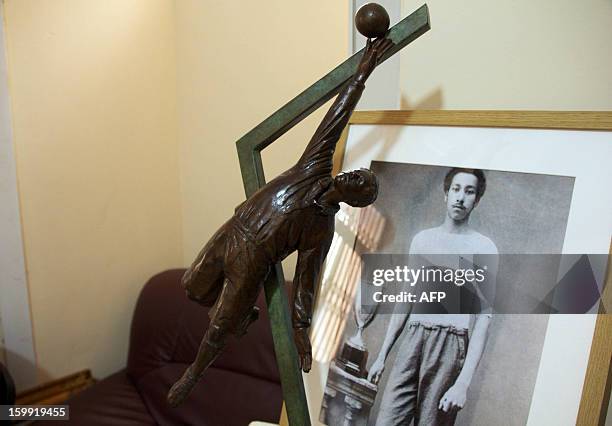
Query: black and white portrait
<point x="452" y="369"/>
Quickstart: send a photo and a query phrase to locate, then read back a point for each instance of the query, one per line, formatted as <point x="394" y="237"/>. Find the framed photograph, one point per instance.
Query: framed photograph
<point x="502" y="183"/>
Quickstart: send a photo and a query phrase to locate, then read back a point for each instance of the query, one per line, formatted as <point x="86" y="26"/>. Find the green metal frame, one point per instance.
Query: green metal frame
<point x="249" y="154"/>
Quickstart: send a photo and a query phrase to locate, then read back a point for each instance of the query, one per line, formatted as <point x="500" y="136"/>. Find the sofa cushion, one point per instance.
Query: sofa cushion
<point x="155" y="323"/>
<point x="167" y="327"/>
<point x="243" y="384"/>
<point x="112" y="401"/>
<point x="221" y="398"/>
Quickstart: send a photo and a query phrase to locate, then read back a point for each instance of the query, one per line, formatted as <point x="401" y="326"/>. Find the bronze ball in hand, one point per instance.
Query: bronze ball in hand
<point x="372" y="20"/>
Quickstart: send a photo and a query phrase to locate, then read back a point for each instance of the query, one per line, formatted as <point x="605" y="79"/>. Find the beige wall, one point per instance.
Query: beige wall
<point x="93" y="100"/>
<point x="237" y="63"/>
<point x="93" y="92"/>
<point x="520" y="54"/>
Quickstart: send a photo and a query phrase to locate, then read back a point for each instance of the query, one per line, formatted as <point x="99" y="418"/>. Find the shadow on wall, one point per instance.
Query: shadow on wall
<point x="434" y="100"/>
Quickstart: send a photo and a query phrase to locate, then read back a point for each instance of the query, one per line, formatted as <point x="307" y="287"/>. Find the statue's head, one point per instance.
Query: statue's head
<point x="357" y="188"/>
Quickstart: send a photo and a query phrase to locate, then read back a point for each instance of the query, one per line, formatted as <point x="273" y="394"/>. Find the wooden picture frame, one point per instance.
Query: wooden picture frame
<point x="598" y="378"/>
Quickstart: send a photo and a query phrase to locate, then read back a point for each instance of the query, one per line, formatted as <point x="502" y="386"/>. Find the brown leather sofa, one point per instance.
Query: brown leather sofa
<point x="242" y="385"/>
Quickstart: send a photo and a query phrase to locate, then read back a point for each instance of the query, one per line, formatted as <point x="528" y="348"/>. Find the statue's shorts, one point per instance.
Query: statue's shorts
<point x="427" y="364"/>
<point x="228" y="275"/>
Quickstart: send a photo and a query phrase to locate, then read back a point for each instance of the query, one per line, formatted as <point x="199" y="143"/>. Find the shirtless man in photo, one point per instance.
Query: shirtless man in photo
<point x="434" y="367"/>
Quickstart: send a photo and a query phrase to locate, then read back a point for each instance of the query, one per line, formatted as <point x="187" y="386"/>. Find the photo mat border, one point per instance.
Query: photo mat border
<point x="596" y="389"/>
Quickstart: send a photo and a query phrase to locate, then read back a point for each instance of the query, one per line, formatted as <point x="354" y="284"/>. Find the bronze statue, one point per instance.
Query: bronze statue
<point x="295" y="211"/>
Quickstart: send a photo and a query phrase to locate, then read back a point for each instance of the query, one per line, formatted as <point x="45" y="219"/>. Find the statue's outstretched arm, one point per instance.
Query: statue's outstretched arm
<point x="320" y="150"/>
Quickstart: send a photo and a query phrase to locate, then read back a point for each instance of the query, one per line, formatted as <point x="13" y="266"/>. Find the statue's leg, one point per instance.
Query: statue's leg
<point x="245" y="268"/>
<point x="234" y="312"/>
<point x="203" y="280"/>
<point x="211" y="345"/>
<point x="248" y="320"/>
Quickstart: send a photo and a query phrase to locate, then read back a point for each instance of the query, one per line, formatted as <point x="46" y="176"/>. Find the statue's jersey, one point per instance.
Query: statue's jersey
<point x="290" y="219"/>
<point x="283" y="215"/>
